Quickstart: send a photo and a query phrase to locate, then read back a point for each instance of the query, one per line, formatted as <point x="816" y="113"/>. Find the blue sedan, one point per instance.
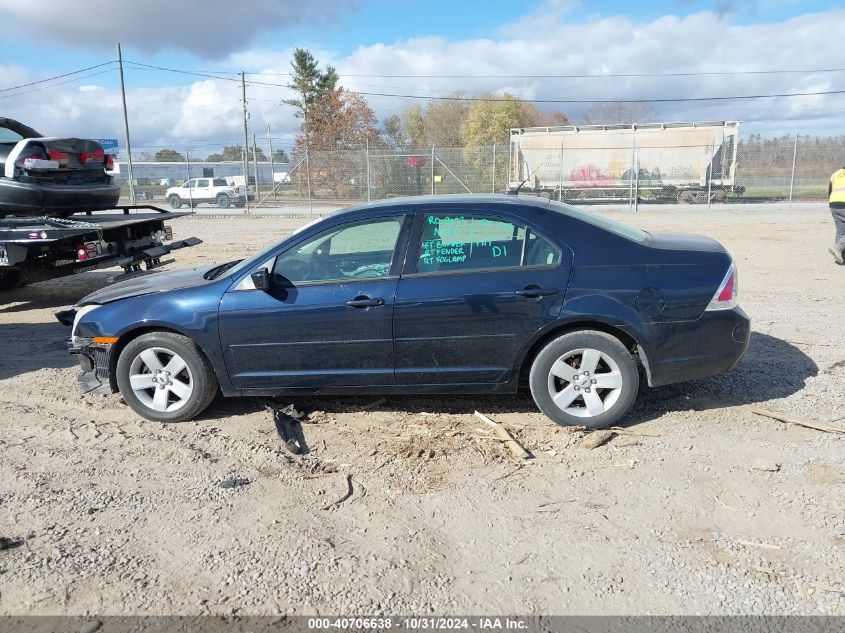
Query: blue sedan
<point x="428" y="295"/>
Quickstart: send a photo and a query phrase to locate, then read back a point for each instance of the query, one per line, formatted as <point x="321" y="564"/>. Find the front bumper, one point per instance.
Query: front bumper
<point x="94" y="364"/>
<point x="688" y="350"/>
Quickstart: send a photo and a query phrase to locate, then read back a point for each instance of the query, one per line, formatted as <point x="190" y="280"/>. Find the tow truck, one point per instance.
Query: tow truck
<point x="133" y="237"/>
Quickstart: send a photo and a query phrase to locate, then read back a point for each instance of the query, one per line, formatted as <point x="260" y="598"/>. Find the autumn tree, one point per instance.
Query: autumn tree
<point x="168" y="156"/>
<point x="333" y="119"/>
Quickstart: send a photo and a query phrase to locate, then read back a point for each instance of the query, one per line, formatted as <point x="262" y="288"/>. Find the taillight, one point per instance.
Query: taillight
<point x="96" y="156"/>
<point x="109" y="162"/>
<point x="61" y="157"/>
<point x="35" y="158"/>
<point x="725" y="297"/>
<point x="88" y="250"/>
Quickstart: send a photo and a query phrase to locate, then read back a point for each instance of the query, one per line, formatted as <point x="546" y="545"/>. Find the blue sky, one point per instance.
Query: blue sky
<point x="431" y="37"/>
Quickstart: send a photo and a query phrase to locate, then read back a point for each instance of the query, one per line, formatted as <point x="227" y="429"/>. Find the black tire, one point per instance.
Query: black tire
<point x="175" y="202"/>
<point x="224" y="201"/>
<point x="202" y="376"/>
<point x="11" y="278"/>
<point x="611" y="349"/>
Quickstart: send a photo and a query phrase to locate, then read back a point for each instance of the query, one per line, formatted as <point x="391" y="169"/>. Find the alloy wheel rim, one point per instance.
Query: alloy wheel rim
<point x="585" y="382"/>
<point x="161" y="379"/>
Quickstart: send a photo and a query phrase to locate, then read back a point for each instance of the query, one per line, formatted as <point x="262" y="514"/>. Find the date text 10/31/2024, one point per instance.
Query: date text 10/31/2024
<point x="429" y="623"/>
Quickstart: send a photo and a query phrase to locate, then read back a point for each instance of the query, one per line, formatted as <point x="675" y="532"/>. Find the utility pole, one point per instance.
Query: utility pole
<point x="126" y="126"/>
<point x="246" y="143"/>
<point x="272" y="162"/>
<point x="255" y="167"/>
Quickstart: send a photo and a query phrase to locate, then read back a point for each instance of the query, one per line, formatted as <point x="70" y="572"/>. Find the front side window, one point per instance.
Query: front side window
<point x="359" y="250"/>
<point x="454" y="242"/>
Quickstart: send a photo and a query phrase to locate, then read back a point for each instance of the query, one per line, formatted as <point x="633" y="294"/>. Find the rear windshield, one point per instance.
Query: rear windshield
<point x="622" y="230"/>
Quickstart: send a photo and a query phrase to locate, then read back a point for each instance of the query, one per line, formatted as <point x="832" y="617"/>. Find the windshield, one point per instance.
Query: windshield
<point x="622" y="230"/>
<point x="262" y="256"/>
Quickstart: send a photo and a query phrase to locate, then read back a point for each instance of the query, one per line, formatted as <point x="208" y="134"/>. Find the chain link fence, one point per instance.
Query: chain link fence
<point x="766" y="170"/>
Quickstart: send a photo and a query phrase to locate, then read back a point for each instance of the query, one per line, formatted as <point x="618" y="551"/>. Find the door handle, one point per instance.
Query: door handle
<point x="533" y="292"/>
<point x="364" y="302"/>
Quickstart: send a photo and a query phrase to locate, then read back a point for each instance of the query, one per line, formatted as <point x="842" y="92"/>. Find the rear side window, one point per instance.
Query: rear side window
<point x="540" y="252"/>
<point x="9" y="136"/>
<point x="455" y="242"/>
<point x="219" y="182"/>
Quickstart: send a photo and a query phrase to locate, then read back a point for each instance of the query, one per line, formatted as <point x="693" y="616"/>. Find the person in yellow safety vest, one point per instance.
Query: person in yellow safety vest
<point x="836" y="199"/>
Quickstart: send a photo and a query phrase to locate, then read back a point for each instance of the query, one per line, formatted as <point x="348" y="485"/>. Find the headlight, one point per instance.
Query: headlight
<point x="79" y="314"/>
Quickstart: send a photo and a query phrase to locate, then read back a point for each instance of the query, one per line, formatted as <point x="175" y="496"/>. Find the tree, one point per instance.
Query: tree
<point x="618" y="112"/>
<point x="490" y="122"/>
<point x="214" y="158"/>
<point x="413" y="124"/>
<point x="168" y="156"/>
<point x="393" y="133"/>
<point x="280" y="156"/>
<point x="309" y="82"/>
<point x="233" y="153"/>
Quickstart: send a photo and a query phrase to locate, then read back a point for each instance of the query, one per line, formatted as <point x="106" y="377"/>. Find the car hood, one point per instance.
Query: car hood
<point x="685" y="242"/>
<point x="148" y="284"/>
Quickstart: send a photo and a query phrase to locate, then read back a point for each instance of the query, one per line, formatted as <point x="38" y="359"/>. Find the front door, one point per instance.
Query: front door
<point x="479" y="287"/>
<point x="327" y="319"/>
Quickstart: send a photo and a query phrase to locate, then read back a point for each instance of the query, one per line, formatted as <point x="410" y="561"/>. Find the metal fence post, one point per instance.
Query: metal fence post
<point x="710" y="172"/>
<point x="494" y="168"/>
<point x="792" y="177"/>
<point x="272" y="162"/>
<point x="560" y="176"/>
<point x="631" y="175"/>
<point x="636" y="175"/>
<point x="432" y="169"/>
<point x="190" y="188"/>
<point x="308" y="179"/>
<point x="369" y="197"/>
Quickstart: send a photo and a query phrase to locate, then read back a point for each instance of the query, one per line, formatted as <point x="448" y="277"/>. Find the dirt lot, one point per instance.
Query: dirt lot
<point x="673" y="516"/>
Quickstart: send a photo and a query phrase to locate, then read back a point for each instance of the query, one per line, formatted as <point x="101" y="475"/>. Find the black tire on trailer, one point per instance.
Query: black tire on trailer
<point x="585" y="377"/>
<point x="11" y="278"/>
<point x="224" y="201"/>
<point x="165" y="377"/>
<point x="175" y="202"/>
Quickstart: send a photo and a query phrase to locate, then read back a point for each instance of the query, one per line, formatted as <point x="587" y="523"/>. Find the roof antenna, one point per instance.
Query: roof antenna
<point x="515" y="192"/>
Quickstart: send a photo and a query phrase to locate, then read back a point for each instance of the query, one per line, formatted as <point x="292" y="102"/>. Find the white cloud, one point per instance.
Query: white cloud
<point x="206" y="114"/>
<point x="211" y="29"/>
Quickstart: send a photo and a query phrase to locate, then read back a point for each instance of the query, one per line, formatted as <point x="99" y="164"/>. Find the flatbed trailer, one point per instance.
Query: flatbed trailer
<point x="135" y="238"/>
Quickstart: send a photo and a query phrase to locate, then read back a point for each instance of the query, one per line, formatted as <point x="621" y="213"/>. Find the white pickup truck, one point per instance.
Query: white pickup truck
<point x="211" y="190"/>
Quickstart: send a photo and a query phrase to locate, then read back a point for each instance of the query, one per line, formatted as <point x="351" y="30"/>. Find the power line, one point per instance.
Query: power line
<point x="580" y="76"/>
<point x="547" y="101"/>
<point x="41" y="81"/>
<point x="661" y="100"/>
<point x="55" y="85"/>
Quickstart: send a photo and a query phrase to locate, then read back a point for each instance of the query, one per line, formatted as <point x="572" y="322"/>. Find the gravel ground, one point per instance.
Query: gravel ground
<point x="697" y="507"/>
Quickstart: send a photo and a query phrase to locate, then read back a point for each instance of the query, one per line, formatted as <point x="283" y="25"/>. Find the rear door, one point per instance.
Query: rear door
<point x="476" y="286"/>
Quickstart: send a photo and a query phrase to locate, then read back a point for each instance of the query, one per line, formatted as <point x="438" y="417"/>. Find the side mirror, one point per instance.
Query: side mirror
<point x="261" y="279"/>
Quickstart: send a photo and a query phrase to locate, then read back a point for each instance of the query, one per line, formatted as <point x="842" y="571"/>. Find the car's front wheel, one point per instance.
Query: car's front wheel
<point x="175" y="202"/>
<point x="165" y="377"/>
<point x="584" y="378"/>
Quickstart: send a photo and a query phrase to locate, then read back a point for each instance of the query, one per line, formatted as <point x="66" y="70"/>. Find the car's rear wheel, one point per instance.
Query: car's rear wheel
<point x="175" y="202"/>
<point x="165" y="377"/>
<point x="224" y="201"/>
<point x="11" y="278"/>
<point x="584" y="378"/>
